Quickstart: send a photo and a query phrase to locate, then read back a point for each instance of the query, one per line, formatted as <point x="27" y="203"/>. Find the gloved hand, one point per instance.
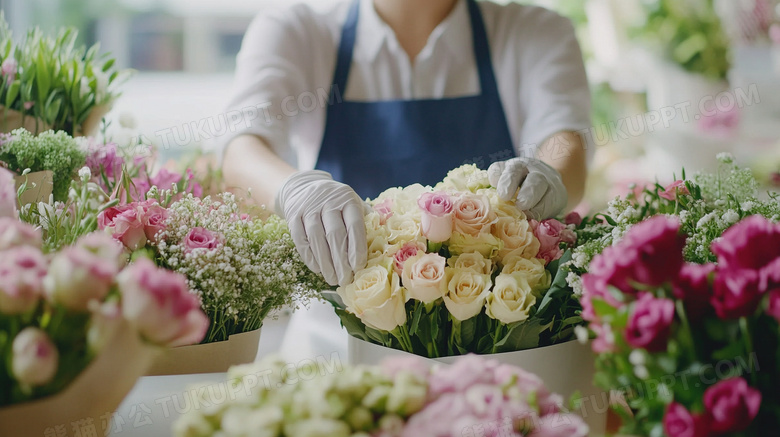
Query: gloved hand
<point x="326" y="222"/>
<point x="542" y="193"/>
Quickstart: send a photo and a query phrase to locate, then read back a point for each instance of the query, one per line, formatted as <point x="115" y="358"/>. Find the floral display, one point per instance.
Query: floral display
<point x="241" y="268"/>
<point x="54" y="80"/>
<point x="708" y="333"/>
<point x="454" y="269"/>
<point x="402" y="398"/>
<point x="57" y="311"/>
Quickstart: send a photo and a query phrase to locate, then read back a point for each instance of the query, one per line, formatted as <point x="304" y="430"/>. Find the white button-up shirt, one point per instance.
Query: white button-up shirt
<point x="284" y="73"/>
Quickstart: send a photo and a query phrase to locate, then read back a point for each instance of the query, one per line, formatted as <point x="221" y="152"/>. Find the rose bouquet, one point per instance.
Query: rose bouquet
<point x="454" y="269"/>
<point x="694" y="347"/>
<point x="402" y="398"/>
<point x="240" y="267"/>
<point x="59" y="311"/>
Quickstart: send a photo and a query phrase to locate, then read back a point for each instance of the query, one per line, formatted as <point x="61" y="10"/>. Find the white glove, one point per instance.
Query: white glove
<point x="326" y="222"/>
<point x="542" y="193"/>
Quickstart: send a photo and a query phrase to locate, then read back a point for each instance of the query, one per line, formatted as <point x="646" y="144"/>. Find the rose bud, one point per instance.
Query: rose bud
<point x="35" y="358"/>
<point x="77" y="276"/>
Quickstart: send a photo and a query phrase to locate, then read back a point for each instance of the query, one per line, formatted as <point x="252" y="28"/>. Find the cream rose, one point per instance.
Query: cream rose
<point x="502" y="208"/>
<point x="405" y="201"/>
<point x="474" y="262"/>
<point x="375" y="298"/>
<point x="517" y="236"/>
<point x="467" y="292"/>
<point x="531" y="269"/>
<point x="467" y="177"/>
<point x="511" y="299"/>
<point x="485" y="244"/>
<point x="377" y="246"/>
<point x="424" y="277"/>
<point x="403" y="228"/>
<point x="473" y="215"/>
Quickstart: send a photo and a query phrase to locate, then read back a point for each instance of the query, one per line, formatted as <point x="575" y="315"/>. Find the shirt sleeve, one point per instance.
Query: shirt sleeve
<point x="554" y="88"/>
<point x="269" y="67"/>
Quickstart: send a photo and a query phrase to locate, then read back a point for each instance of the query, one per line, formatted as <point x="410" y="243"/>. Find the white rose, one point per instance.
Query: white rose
<point x="467" y="177"/>
<point x="403" y="228"/>
<point x="510" y="300"/>
<point x="424" y="277"/>
<point x="473" y="215"/>
<point x="471" y="261"/>
<point x="485" y="244"/>
<point x="376" y="299"/>
<point x="405" y="200"/>
<point x="377" y="245"/>
<point x="532" y="270"/>
<point x="502" y="208"/>
<point x="467" y="291"/>
<point x="265" y="421"/>
<point x="517" y="236"/>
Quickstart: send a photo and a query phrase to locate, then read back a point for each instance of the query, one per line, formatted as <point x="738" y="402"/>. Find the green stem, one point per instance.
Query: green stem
<point x="748" y="341"/>
<point x="687" y="329"/>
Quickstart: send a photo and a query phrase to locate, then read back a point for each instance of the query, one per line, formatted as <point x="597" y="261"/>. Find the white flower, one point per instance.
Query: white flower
<point x="510" y="300"/>
<point x="637" y="357"/>
<point x="375" y="298"/>
<point x="403" y="228"/>
<point x="467" y="292"/>
<point x="641" y="372"/>
<point x="575" y="282"/>
<point x="582" y="334"/>
<point x="725" y="157"/>
<point x="730" y="217"/>
<point x="85" y="174"/>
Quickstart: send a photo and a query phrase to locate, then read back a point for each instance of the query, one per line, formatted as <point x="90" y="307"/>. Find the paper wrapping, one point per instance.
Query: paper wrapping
<point x="39" y="187"/>
<point x="93" y="396"/>
<point x="209" y="357"/>
<point x="565" y="368"/>
<point x="11" y="119"/>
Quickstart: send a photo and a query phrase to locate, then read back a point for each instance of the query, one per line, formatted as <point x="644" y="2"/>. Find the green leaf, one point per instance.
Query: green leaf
<point x="353" y="325"/>
<point x="417" y="314"/>
<point x="13" y="92"/>
<point x="521" y="336"/>
<point x="108" y="64"/>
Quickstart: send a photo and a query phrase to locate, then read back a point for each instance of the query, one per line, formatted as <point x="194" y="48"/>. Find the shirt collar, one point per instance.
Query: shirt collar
<point x="454" y="32"/>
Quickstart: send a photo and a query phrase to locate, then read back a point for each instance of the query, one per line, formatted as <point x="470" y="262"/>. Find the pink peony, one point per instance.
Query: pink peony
<point x="407" y="251"/>
<point x="77" y="276"/>
<point x="679" y="422"/>
<point x="34" y="358"/>
<point x="673" y="190"/>
<point x="201" y="238"/>
<point x="774" y="304"/>
<point x="649" y="323"/>
<point x="385" y="210"/>
<point x="693" y="287"/>
<point x="732" y="405"/>
<point x="160" y="305"/>
<point x="659" y="250"/>
<point x="437" y="216"/>
<point x="14" y="233"/>
<point x="7" y="194"/>
<point x="21" y="279"/>
<point x="736" y="293"/>
<point x="551" y="233"/>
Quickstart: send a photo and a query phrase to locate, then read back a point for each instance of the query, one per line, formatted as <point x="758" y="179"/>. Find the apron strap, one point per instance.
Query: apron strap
<point x="487" y="79"/>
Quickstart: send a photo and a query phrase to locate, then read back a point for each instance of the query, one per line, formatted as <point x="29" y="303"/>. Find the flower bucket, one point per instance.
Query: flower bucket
<point x="209" y="357"/>
<point x="11" y="119"/>
<point x="39" y="187"/>
<point x="565" y="368"/>
<point x="91" y="399"/>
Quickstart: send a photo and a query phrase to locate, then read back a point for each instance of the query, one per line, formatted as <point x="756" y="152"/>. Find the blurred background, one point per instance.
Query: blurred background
<point x="674" y="82"/>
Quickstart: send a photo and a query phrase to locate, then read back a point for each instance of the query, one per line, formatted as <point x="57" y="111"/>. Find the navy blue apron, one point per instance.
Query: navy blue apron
<point x="372" y="146"/>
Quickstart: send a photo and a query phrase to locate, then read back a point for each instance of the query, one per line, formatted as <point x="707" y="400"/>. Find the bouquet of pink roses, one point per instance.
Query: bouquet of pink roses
<point x="455" y="269"/>
<point x="694" y="347"/>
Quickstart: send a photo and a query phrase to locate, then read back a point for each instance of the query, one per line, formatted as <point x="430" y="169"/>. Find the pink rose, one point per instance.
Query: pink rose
<point x="551" y="233"/>
<point x="201" y="238"/>
<point x="408" y="250"/>
<point x="77" y="276"/>
<point x="659" y="248"/>
<point x="34" y="359"/>
<point x="7" y="194"/>
<point x="159" y="304"/>
<point x="14" y="233"/>
<point x="424" y="277"/>
<point x="125" y="224"/>
<point x="573" y="218"/>
<point x="673" y="190"/>
<point x="154" y="219"/>
<point x="679" y="422"/>
<point x="385" y="210"/>
<point x="774" y="304"/>
<point x="693" y="287"/>
<point x="437" y="211"/>
<point x="649" y="323"/>
<point x="21" y="279"/>
<point x="732" y="405"/>
<point x="472" y="215"/>
<point x="736" y="293"/>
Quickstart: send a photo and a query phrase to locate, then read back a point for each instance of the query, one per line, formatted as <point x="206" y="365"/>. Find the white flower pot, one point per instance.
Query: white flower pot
<point x="565" y="368"/>
<point x="209" y="357"/>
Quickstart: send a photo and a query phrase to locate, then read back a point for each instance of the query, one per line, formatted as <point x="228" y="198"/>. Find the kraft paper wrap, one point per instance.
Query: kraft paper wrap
<point x="11" y="119"/>
<point x="39" y="187"/>
<point x="94" y="395"/>
<point x="209" y="357"/>
<point x="565" y="368"/>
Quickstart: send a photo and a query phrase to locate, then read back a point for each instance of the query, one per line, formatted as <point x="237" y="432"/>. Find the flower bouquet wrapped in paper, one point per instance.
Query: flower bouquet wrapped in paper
<point x="694" y="347"/>
<point x="402" y="398"/>
<point x="455" y="269"/>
